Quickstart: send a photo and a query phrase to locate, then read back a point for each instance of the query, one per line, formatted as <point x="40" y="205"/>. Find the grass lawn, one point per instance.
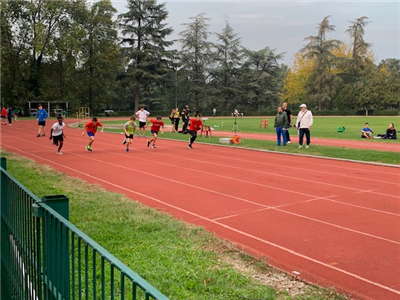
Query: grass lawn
<point x="324" y="127"/>
<point x="181" y="260"/>
<point x="252" y="125"/>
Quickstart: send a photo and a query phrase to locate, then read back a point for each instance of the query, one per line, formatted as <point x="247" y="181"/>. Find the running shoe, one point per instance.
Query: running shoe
<point x="300" y="146"/>
<point x="88" y="148"/>
<point x="127" y="150"/>
<point x="59" y="153"/>
<point x="38" y="135"/>
<point x="124" y="142"/>
<point x="154" y="146"/>
<point x="43" y="134"/>
<point x="288" y="142"/>
<point x="307" y="146"/>
<point x="148" y="143"/>
<point x="190" y="146"/>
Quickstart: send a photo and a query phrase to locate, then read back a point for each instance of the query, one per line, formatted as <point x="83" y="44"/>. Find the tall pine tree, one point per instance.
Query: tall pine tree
<point x="145" y="45"/>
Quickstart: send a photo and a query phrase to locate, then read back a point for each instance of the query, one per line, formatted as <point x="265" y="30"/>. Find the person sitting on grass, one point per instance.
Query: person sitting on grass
<point x="366" y="132"/>
<point x="390" y="133"/>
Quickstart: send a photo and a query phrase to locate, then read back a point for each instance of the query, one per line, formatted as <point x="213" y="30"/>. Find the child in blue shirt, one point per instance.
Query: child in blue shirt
<point x="366" y="132"/>
<point x="41" y="116"/>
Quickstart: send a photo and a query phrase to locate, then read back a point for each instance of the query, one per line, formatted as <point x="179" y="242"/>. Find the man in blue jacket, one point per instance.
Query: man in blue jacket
<point x="41" y="116"/>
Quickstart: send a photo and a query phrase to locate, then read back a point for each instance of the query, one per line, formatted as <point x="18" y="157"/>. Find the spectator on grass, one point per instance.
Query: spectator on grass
<point x="290" y="121"/>
<point x="171" y="117"/>
<point x="10" y="112"/>
<point x="280" y="124"/>
<point x="176" y="120"/>
<point x="390" y="133"/>
<point x="366" y="132"/>
<point x="304" y="122"/>
<point x="185" y="115"/>
<point x="214" y="112"/>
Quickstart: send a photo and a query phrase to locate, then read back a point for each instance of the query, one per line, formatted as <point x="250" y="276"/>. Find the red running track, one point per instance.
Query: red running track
<point x="334" y="223"/>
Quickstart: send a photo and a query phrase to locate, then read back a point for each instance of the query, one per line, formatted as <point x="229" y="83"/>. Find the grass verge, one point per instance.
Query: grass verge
<point x="181" y="260"/>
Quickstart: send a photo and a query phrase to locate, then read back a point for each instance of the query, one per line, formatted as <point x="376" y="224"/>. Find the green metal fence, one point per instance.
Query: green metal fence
<point x="44" y="256"/>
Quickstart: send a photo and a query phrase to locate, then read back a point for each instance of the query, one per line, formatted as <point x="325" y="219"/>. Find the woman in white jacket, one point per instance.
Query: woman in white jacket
<point x="303" y="124"/>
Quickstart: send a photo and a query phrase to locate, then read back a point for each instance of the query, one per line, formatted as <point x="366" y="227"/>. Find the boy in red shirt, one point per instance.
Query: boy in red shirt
<point x="3" y="115"/>
<point x="155" y="128"/>
<point x="195" y="125"/>
<point x="91" y="128"/>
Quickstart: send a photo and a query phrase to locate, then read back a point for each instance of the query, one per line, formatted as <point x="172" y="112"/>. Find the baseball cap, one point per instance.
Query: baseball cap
<point x="303" y="105"/>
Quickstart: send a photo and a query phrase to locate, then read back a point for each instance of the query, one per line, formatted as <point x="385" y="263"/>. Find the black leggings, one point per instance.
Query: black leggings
<point x="176" y="121"/>
<point x="194" y="136"/>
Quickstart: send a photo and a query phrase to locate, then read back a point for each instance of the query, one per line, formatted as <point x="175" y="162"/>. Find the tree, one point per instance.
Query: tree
<point x="144" y="44"/>
<point x="262" y="78"/>
<point x="359" y="48"/>
<point x="323" y="84"/>
<point x="228" y="59"/>
<point x="99" y="55"/>
<point x="294" y="89"/>
<point x="195" y="56"/>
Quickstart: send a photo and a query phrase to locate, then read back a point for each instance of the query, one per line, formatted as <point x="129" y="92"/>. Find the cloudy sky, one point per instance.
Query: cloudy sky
<point x="283" y="25"/>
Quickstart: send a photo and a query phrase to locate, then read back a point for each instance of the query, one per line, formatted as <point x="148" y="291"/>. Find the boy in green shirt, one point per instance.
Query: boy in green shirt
<point x="129" y="129"/>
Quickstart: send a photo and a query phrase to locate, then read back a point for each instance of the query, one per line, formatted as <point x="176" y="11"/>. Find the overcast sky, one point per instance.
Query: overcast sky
<point x="283" y="25"/>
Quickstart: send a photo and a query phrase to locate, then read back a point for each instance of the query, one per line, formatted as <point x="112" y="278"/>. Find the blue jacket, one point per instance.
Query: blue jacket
<point x="42" y="115"/>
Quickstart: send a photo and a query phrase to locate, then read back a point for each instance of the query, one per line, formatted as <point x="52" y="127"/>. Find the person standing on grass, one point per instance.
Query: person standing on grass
<point x="176" y="120"/>
<point x="195" y="125"/>
<point x="142" y="114"/>
<point x="290" y="121"/>
<point x="281" y="121"/>
<point x="214" y="112"/>
<point x="16" y="112"/>
<point x="366" y="132"/>
<point x="304" y="122"/>
<point x="3" y="116"/>
<point x="9" y="115"/>
<point x="158" y="125"/>
<point x="91" y="128"/>
<point x="41" y="116"/>
<point x="57" y="134"/>
<point x="129" y="129"/>
<point x="185" y="115"/>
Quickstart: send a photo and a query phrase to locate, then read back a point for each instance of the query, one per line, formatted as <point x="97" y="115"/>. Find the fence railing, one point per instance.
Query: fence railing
<point x="44" y="256"/>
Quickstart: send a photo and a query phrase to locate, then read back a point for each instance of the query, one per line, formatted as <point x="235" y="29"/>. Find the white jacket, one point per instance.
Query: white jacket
<point x="306" y="120"/>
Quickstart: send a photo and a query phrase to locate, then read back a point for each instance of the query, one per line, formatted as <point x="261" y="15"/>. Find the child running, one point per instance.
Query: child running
<point x="57" y="134"/>
<point x="195" y="125"/>
<point x="91" y="128"/>
<point x="155" y="128"/>
<point x="129" y="129"/>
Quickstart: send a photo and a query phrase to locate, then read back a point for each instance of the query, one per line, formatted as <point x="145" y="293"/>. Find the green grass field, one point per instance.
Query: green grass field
<point x="322" y="128"/>
<point x="181" y="260"/>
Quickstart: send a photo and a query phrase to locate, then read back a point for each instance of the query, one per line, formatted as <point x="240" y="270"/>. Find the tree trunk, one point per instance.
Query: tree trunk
<point x="136" y="99"/>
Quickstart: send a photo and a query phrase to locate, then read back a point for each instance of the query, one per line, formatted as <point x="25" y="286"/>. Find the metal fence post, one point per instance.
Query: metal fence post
<point x="4" y="253"/>
<point x="56" y="260"/>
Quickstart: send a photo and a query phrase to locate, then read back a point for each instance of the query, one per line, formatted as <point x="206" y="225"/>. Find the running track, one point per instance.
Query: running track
<point x="334" y="222"/>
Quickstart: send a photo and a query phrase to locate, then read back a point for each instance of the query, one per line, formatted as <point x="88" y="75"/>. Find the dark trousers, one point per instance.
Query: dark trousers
<point x="185" y="124"/>
<point x="287" y="135"/>
<point x="303" y="131"/>
<point x="194" y="136"/>
<point x="176" y="122"/>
